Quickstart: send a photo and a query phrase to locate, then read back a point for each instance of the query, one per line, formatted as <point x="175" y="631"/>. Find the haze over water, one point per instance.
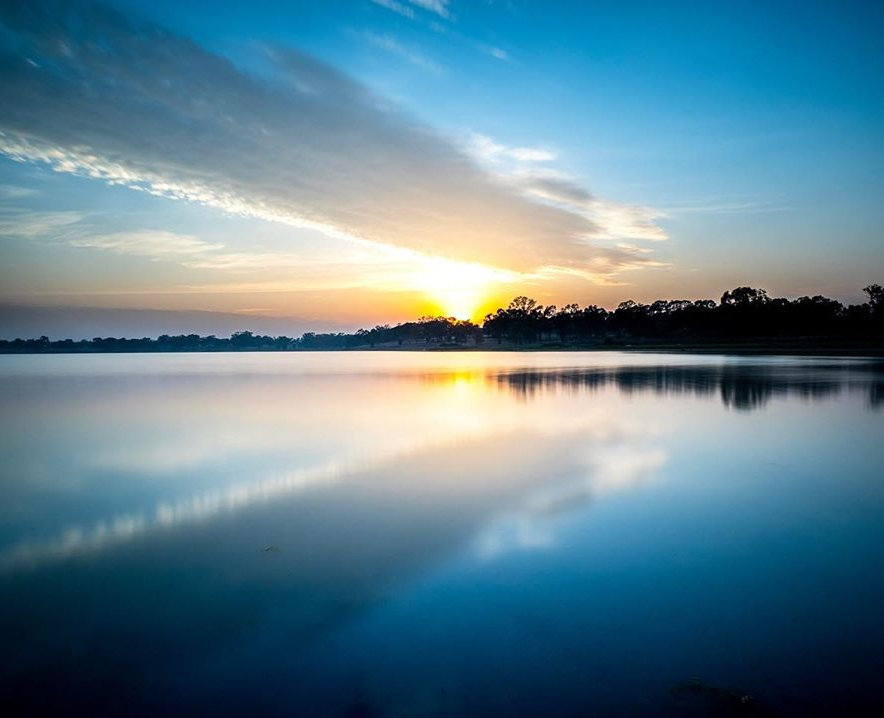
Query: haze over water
<point x="437" y="534"/>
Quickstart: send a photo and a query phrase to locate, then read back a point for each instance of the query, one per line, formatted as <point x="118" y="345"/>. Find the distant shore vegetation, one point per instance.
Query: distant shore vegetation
<point x="744" y="316"/>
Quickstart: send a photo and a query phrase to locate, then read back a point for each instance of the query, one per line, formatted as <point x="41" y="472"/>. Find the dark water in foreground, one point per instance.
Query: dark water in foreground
<point x="393" y="534"/>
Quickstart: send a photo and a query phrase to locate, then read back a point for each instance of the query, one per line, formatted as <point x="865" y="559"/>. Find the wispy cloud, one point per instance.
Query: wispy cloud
<point x="725" y="206"/>
<point x="121" y="100"/>
<point x="392" y="45"/>
<point x="8" y="191"/>
<point x="366" y="265"/>
<point x="486" y="149"/>
<point x="615" y="220"/>
<point x="30" y="225"/>
<point x="154" y="244"/>
<point x="439" y="7"/>
<point x="397" y="7"/>
<point x="448" y="30"/>
<point x="497" y="52"/>
<point x="519" y="166"/>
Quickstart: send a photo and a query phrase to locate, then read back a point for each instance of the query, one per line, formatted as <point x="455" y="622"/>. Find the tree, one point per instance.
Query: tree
<point x="876" y="297"/>
<point x="744" y="297"/>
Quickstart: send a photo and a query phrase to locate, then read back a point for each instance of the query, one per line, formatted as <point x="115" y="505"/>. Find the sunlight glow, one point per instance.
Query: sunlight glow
<point x="458" y="288"/>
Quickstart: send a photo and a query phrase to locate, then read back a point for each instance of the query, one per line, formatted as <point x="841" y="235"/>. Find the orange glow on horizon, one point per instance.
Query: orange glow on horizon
<point x="457" y="289"/>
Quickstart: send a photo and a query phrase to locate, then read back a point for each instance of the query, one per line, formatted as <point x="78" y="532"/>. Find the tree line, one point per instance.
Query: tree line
<point x="742" y="313"/>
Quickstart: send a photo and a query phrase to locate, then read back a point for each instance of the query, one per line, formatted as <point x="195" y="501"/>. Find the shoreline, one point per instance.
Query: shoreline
<point x="758" y="347"/>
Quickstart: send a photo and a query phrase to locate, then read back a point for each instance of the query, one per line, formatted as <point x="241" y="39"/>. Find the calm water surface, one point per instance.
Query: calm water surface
<point x="397" y="534"/>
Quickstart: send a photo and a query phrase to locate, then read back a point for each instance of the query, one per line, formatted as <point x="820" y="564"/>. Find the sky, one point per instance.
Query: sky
<point x="336" y="164"/>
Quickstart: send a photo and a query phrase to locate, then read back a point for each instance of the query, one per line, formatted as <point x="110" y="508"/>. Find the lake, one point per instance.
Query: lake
<point x="441" y="534"/>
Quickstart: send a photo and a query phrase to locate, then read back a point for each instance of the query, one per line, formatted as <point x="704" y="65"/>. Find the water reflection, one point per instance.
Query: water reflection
<point x="742" y="387"/>
<point x="222" y="532"/>
<point x="599" y="458"/>
<point x="373" y="423"/>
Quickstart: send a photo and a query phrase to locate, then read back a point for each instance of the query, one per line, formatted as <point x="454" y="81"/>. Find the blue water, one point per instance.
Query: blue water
<point x="433" y="534"/>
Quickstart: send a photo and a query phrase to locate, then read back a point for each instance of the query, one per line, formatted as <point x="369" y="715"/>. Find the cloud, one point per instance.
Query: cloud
<point x="557" y="188"/>
<point x="611" y="220"/>
<point x="396" y="7"/>
<point x="124" y="101"/>
<point x="725" y="206"/>
<point x="390" y="44"/>
<point x="195" y="253"/>
<point x="615" y="220"/>
<point x="498" y="53"/>
<point x="154" y="244"/>
<point x="8" y="191"/>
<point x="31" y="225"/>
<point x="486" y="149"/>
<point x="440" y="7"/>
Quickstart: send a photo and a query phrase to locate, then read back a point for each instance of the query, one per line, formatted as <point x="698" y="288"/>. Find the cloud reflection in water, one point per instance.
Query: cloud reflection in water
<point x="375" y="420"/>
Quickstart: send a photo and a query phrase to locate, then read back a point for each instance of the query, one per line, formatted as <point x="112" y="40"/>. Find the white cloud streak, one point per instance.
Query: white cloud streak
<point x="440" y="7"/>
<point x="396" y="7"/>
<point x="31" y="225"/>
<point x="392" y="45"/>
<point x="498" y="53"/>
<point x="149" y="243"/>
<point x="486" y="149"/>
<point x="8" y="191"/>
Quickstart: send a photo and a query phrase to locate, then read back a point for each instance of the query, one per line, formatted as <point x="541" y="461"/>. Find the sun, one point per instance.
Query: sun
<point x="458" y="303"/>
<point x="457" y="288"/>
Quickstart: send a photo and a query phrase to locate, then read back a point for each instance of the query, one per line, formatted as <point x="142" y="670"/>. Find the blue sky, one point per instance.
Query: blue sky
<point x="352" y="162"/>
